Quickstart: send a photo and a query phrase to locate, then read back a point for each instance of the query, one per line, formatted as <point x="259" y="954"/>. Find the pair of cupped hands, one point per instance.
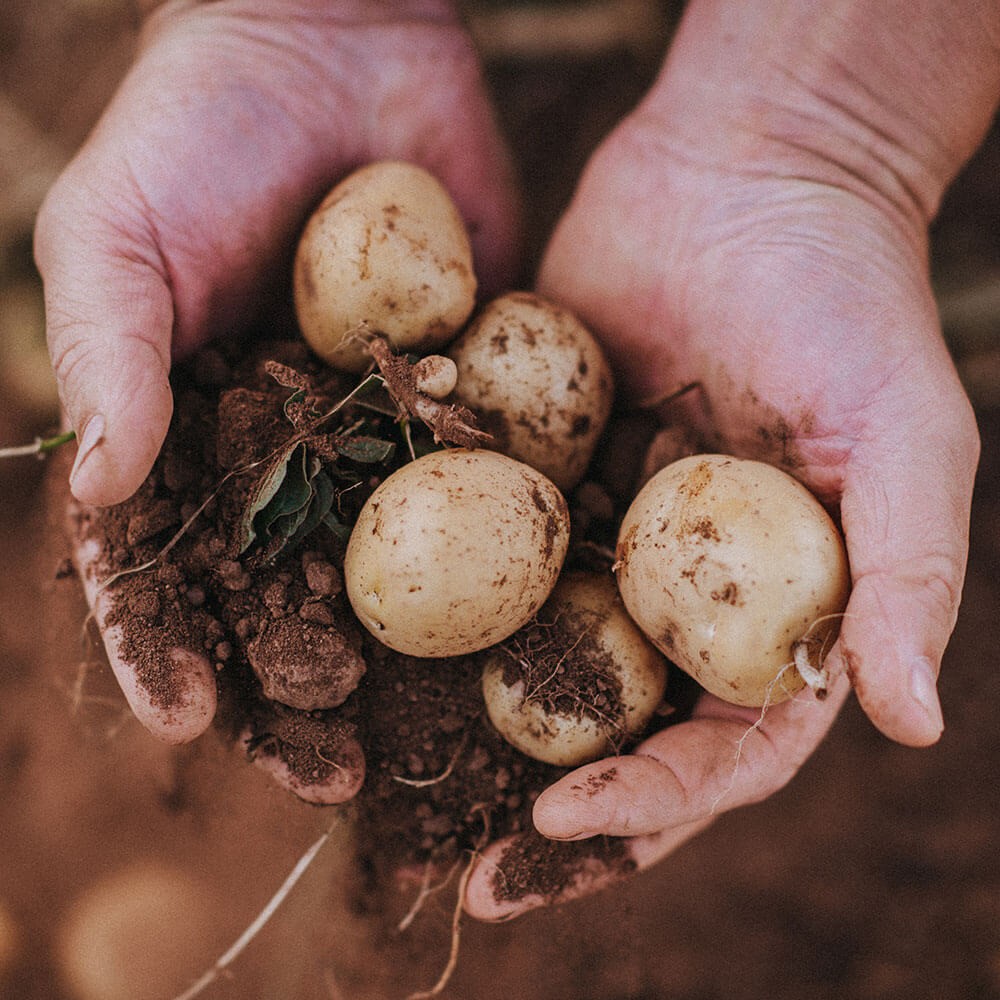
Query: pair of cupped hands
<point x="704" y="244"/>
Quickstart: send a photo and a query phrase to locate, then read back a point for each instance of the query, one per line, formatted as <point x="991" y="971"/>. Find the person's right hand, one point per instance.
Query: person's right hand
<point x="168" y="226"/>
<point x="236" y="118"/>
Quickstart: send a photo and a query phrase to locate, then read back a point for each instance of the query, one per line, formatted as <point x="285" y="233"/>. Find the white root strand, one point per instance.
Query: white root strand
<point x="241" y="943"/>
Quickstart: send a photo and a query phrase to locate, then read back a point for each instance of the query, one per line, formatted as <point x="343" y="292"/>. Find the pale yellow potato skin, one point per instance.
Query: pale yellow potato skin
<point x="386" y="252"/>
<point x="136" y="932"/>
<point x="540" y="382"/>
<point x="726" y="564"/>
<point x="454" y="552"/>
<point x="591" y="602"/>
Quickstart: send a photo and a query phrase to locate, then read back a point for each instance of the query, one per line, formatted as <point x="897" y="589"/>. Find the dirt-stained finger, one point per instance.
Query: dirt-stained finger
<point x="523" y="873"/>
<point x="724" y="757"/>
<point x="324" y="768"/>
<point x="169" y="685"/>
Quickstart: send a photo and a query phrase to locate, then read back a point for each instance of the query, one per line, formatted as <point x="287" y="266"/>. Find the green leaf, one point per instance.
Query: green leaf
<point x="366" y="449"/>
<point x="263" y="492"/>
<point x="324" y="493"/>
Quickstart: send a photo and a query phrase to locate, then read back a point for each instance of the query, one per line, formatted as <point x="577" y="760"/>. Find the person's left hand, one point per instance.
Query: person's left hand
<point x="803" y="312"/>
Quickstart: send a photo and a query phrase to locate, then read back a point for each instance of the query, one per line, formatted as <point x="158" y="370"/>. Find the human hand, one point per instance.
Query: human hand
<point x="771" y="247"/>
<point x="170" y="224"/>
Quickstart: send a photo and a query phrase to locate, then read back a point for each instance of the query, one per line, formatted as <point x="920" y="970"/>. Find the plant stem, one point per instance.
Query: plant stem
<point x="40" y="446"/>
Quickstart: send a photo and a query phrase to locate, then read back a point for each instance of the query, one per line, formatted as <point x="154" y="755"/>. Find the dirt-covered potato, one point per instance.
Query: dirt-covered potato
<point x="539" y="381"/>
<point x="578" y="681"/>
<point x="737" y="573"/>
<point x="455" y="551"/>
<point x="386" y="252"/>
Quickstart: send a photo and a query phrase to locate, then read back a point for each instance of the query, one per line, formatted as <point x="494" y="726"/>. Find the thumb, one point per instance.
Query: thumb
<point x="109" y="318"/>
<point x="905" y="510"/>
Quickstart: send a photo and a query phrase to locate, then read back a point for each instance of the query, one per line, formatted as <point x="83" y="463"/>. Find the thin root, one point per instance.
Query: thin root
<point x="816" y="678"/>
<point x="426" y="891"/>
<point x="456" y="936"/>
<point x="427" y="782"/>
<point x="456" y="916"/>
<point x="755" y="727"/>
<point x="241" y="943"/>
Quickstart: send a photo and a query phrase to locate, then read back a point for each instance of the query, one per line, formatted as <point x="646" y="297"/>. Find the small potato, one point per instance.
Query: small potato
<point x="435" y="376"/>
<point x="539" y="381"/>
<point x="737" y="573"/>
<point x="573" y="685"/>
<point x="386" y="252"/>
<point x="141" y="931"/>
<point x="454" y="552"/>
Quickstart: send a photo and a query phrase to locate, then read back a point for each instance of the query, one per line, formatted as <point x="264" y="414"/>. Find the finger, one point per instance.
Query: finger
<point x="723" y="757"/>
<point x="905" y="512"/>
<point x="172" y="692"/>
<point x="519" y="874"/>
<point x="335" y="777"/>
<point x="108" y="319"/>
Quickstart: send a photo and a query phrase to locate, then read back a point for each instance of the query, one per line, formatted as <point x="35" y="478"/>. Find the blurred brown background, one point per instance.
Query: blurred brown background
<point x="128" y="868"/>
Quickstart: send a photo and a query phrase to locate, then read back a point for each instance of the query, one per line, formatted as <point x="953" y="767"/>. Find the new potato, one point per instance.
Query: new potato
<point x="386" y="252"/>
<point x="733" y="569"/>
<point x="455" y="551"/>
<point x="540" y="382"/>
<point x="592" y="634"/>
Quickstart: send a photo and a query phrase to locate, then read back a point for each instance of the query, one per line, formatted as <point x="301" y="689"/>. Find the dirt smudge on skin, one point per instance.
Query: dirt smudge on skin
<point x="596" y="783"/>
<point x="534" y="866"/>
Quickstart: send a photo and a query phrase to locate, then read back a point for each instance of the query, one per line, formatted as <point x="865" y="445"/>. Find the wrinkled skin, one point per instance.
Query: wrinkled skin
<point x="169" y="225"/>
<point x="789" y="284"/>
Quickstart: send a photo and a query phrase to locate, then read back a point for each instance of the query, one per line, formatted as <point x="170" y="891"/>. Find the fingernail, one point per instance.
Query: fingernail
<point x="923" y="688"/>
<point x="90" y="438"/>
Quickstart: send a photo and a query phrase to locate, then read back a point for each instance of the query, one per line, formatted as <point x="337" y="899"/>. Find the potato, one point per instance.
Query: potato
<point x="454" y="552"/>
<point x="736" y="572"/>
<point x="385" y="252"/>
<point x="142" y="931"/>
<point x="539" y="381"/>
<point x="575" y="684"/>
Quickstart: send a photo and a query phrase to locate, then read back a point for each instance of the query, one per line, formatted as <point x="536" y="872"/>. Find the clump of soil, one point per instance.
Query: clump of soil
<point x="214" y="555"/>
